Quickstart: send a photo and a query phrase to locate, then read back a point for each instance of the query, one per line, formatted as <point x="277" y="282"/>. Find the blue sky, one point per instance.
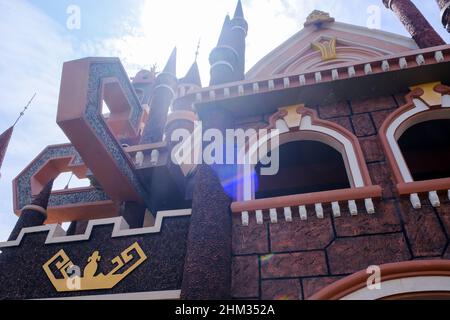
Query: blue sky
<point x="35" y="41"/>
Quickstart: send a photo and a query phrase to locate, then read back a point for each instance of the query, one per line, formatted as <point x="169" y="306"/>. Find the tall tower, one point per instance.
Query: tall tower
<point x="227" y="59"/>
<point x="163" y="94"/>
<point x="416" y="24"/>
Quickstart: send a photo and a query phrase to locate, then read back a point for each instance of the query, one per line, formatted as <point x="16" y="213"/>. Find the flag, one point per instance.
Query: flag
<point x="5" y="137"/>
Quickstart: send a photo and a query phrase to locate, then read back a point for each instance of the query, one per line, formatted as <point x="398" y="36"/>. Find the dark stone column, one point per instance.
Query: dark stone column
<point x="207" y="269"/>
<point x="33" y="215"/>
<point x="416" y="24"/>
<point x="444" y="6"/>
<point x="134" y="214"/>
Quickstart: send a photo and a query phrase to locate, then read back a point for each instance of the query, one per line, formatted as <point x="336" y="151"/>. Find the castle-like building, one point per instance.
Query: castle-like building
<point x="361" y="193"/>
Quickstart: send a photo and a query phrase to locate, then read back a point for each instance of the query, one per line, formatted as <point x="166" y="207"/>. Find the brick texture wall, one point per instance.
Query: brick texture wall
<point x="296" y="260"/>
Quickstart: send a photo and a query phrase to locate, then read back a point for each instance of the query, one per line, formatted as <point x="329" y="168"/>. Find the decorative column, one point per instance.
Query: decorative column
<point x="416" y="24"/>
<point x="444" y="5"/>
<point x="207" y="268"/>
<point x="35" y="214"/>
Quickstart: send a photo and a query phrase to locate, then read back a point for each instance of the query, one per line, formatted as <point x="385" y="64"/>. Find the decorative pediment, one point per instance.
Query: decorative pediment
<point x="324" y="43"/>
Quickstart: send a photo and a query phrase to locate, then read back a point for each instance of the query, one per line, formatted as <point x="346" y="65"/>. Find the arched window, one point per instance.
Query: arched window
<point x="320" y="163"/>
<point x="426" y="149"/>
<point x="415" y="139"/>
<point x="305" y="167"/>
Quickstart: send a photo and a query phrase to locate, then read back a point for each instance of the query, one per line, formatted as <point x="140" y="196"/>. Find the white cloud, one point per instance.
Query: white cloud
<point x="32" y="50"/>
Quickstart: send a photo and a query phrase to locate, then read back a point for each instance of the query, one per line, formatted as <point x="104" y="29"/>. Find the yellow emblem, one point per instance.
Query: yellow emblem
<point x="72" y="281"/>
<point x="326" y="48"/>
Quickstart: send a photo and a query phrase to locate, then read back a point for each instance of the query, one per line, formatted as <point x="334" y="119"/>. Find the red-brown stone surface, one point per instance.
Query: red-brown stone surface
<point x="302" y="264"/>
<point x="343" y="122"/>
<point x="281" y="290"/>
<point x="444" y="214"/>
<point x="349" y="255"/>
<point x="380" y="116"/>
<point x="373" y="104"/>
<point x="334" y="110"/>
<point x="301" y="235"/>
<point x="363" y="125"/>
<point x="383" y="221"/>
<point x="381" y="175"/>
<point x="249" y="240"/>
<point x="424" y="232"/>
<point x="372" y="149"/>
<point x="313" y="285"/>
<point x="245" y="277"/>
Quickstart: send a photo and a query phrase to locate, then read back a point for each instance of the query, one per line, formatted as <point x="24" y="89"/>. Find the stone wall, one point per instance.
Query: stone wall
<point x="296" y="260"/>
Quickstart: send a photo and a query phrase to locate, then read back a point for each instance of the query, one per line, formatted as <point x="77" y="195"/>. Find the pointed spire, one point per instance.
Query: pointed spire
<point x="171" y="66"/>
<point x="239" y="13"/>
<point x="42" y="198"/>
<point x="193" y="76"/>
<point x="225" y="33"/>
<point x="5" y="137"/>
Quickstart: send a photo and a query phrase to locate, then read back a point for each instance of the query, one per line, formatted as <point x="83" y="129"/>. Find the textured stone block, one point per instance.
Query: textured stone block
<point x="245" y="277"/>
<point x="444" y="214"/>
<point x="372" y="149"/>
<point x="349" y="255"/>
<point x="379" y="117"/>
<point x="373" y="104"/>
<point x="381" y="175"/>
<point x="334" y="110"/>
<point x="384" y="220"/>
<point x="301" y="235"/>
<point x="281" y="290"/>
<point x="424" y="232"/>
<point x="311" y="286"/>
<point x="363" y="125"/>
<point x="252" y="239"/>
<point x="343" y="122"/>
<point x="302" y="264"/>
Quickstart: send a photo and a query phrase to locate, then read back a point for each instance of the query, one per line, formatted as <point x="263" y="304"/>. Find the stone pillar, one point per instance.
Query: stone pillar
<point x="416" y="24"/>
<point x="35" y="214"/>
<point x="444" y="6"/>
<point x="207" y="269"/>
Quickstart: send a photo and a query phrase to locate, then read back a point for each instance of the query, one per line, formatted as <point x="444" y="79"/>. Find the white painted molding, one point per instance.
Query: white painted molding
<point x="303" y="213"/>
<point x="318" y="77"/>
<point x="226" y="92"/>
<point x="336" y="209"/>
<point x="255" y="87"/>
<point x="434" y="199"/>
<point x="121" y="229"/>
<point x="319" y="210"/>
<point x="302" y="79"/>
<point x="420" y="60"/>
<point x="370" y="208"/>
<point x="259" y="217"/>
<point x="351" y="72"/>
<point x="335" y="74"/>
<point x="273" y="216"/>
<point x="402" y="63"/>
<point x="286" y="82"/>
<point x="367" y="68"/>
<point x="439" y="56"/>
<point x="352" y="207"/>
<point x="415" y="201"/>
<point x="385" y="66"/>
<point x="288" y="214"/>
<point x="271" y="85"/>
<point x="402" y="286"/>
<point x="241" y="90"/>
<point x="245" y="218"/>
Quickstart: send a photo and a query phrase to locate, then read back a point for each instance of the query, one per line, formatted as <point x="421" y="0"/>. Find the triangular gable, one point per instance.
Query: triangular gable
<point x="353" y="44"/>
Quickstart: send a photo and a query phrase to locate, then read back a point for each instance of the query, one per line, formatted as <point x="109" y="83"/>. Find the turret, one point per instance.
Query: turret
<point x="228" y="58"/>
<point x="416" y="24"/>
<point x="163" y="94"/>
<point x="191" y="81"/>
<point x="35" y="214"/>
